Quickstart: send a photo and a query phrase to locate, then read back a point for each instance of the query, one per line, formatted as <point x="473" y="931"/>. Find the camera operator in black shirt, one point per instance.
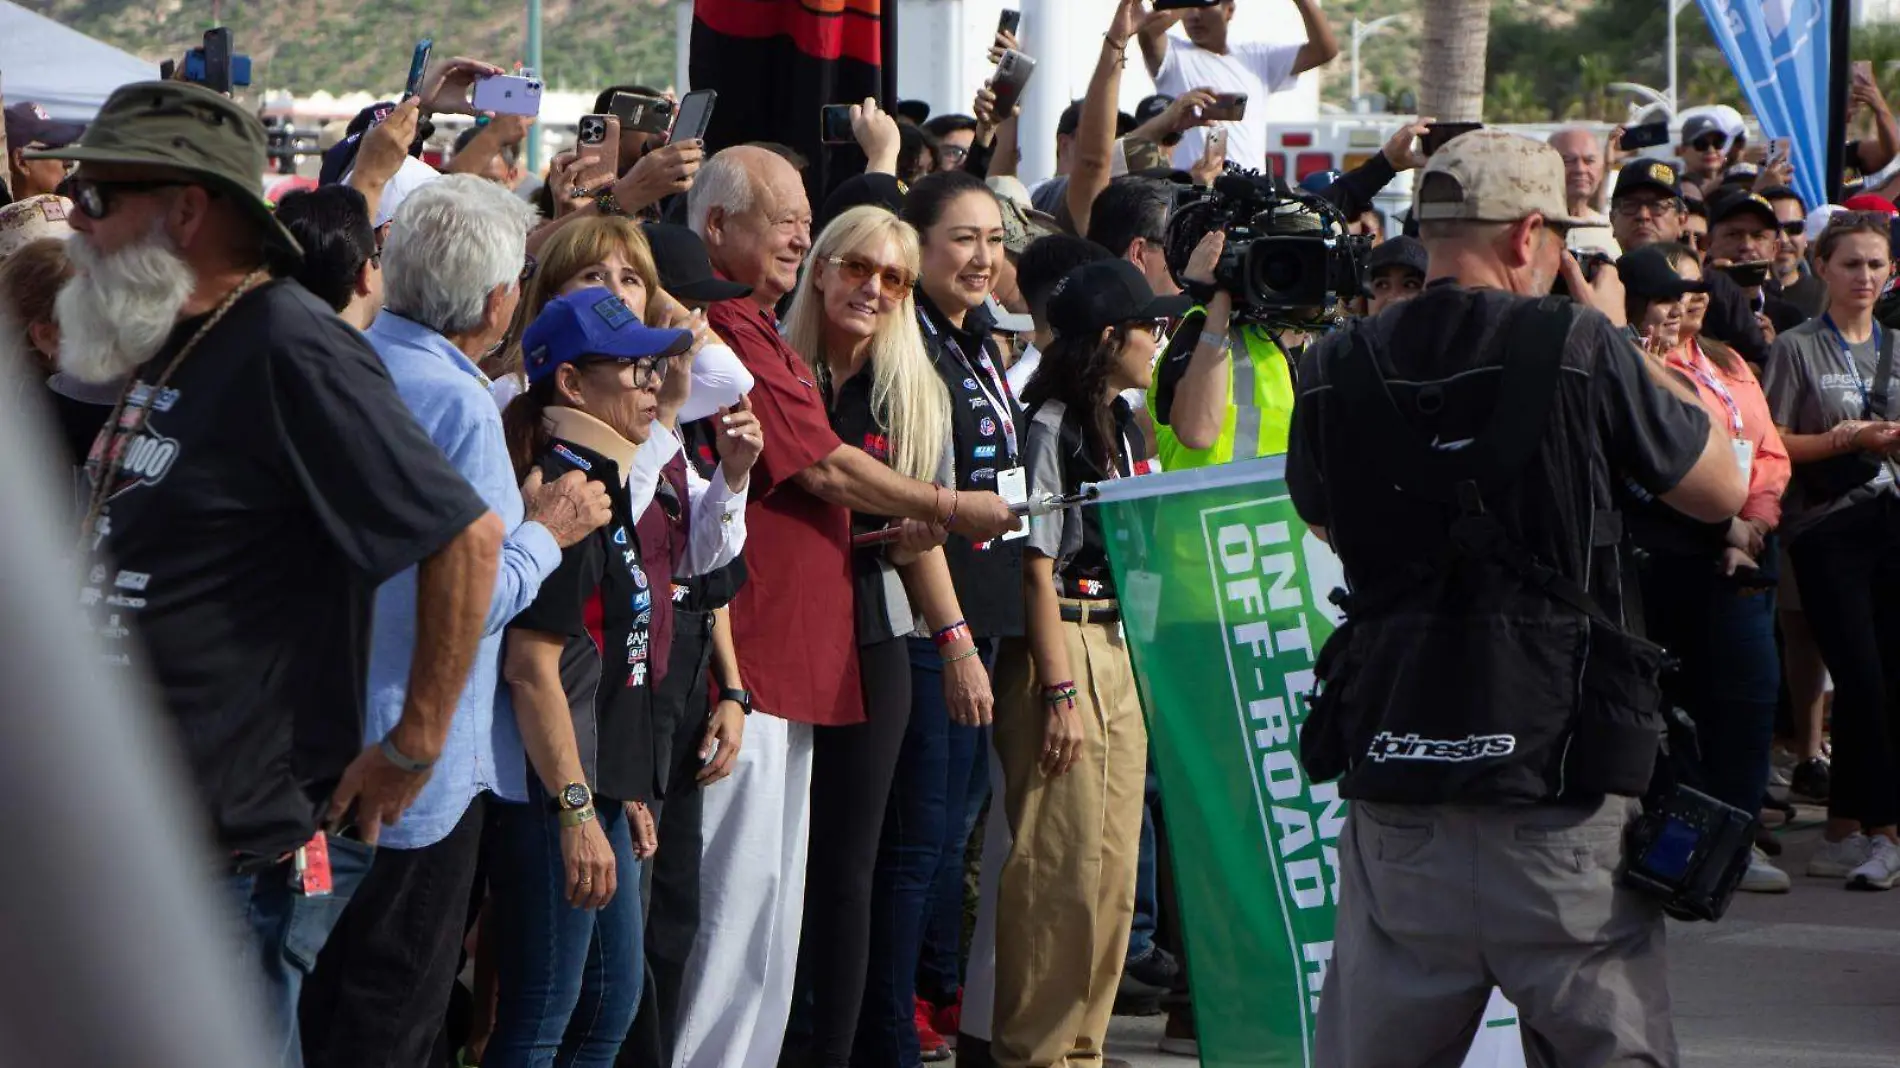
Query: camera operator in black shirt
<point x="1458" y="451"/>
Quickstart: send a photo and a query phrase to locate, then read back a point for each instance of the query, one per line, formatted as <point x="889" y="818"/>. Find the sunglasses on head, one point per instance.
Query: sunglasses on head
<point x="894" y="282"/>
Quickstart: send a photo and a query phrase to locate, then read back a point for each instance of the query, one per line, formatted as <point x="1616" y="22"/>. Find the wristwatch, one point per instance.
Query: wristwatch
<point x="606" y="203"/>
<point x="572" y="798"/>
<point x="742" y="698"/>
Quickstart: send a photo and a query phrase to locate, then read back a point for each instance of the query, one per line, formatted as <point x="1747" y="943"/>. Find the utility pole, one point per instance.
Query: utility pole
<point x="1361" y="31"/>
<point x="534" y="63"/>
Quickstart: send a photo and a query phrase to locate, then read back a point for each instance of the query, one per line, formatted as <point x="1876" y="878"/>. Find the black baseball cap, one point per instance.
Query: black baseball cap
<point x="1649" y="174"/>
<point x="1407" y="252"/>
<point x="1151" y="106"/>
<point x="29" y="124"/>
<point x="1783" y="192"/>
<point x="1646" y="273"/>
<point x="1730" y="203"/>
<point x="915" y="112"/>
<point x="685" y="271"/>
<point x="1106" y="293"/>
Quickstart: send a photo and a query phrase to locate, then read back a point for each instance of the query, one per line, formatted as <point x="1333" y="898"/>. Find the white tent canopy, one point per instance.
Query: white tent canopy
<point x="59" y="68"/>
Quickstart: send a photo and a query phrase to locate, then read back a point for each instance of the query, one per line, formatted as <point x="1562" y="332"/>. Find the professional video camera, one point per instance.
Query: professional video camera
<point x="1288" y="259"/>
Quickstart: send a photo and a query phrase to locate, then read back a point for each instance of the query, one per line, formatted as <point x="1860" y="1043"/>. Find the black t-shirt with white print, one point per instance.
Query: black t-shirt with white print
<point x="278" y="480"/>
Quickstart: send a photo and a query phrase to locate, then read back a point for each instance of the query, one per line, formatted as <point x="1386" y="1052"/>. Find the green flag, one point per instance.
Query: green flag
<point x="1224" y="598"/>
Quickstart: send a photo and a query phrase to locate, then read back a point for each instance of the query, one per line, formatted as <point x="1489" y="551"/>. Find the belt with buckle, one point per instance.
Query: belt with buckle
<point x="1091" y="611"/>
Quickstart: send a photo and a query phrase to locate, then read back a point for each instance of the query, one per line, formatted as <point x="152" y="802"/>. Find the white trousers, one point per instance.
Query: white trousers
<point x="979" y="975"/>
<point x="738" y="986"/>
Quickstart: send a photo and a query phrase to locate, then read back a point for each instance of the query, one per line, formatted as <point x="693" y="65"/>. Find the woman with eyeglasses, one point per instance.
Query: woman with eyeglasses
<point x="852" y="322"/>
<point x="942" y="766"/>
<point x="1831" y="385"/>
<point x="565" y="913"/>
<point x="1069" y="730"/>
<point x="1708" y="589"/>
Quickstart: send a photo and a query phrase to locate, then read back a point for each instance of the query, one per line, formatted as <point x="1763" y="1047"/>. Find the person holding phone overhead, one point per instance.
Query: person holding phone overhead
<point x="1830" y="386"/>
<point x="1206" y="59"/>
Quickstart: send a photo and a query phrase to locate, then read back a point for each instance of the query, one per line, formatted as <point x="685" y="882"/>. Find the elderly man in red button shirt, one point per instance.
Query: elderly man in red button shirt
<point x="792" y="626"/>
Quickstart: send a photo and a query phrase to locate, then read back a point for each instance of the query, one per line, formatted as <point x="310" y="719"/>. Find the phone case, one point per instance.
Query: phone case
<point x="508" y="94"/>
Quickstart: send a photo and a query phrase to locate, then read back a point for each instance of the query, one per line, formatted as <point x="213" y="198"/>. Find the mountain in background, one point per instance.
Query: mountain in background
<point x="345" y="45"/>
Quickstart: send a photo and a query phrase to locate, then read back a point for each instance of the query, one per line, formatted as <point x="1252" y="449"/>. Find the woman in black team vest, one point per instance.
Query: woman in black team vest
<point x="852" y="322"/>
<point x="579" y="664"/>
<point x="1831" y="385"/>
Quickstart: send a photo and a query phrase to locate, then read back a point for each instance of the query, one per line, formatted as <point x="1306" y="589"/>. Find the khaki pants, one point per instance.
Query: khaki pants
<point x="1437" y="904"/>
<point x="1067" y="894"/>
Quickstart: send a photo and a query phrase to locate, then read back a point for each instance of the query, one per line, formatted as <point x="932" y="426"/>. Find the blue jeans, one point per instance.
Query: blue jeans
<point x="1730" y="672"/>
<point x="570" y="978"/>
<point x="917" y="886"/>
<point x="1141" y="936"/>
<point x="284" y="932"/>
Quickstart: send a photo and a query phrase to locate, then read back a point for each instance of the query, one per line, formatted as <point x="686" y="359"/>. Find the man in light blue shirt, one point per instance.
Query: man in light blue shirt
<point x="451" y="266"/>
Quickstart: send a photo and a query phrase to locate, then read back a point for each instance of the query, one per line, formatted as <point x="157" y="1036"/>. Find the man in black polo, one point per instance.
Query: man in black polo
<point x="261" y="478"/>
<point x="1485" y="829"/>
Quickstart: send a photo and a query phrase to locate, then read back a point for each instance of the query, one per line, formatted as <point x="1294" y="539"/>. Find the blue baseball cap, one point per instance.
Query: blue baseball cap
<point x="593" y="322"/>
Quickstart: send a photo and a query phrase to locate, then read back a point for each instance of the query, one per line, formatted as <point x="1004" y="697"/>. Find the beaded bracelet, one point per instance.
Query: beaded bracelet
<point x="964" y="655"/>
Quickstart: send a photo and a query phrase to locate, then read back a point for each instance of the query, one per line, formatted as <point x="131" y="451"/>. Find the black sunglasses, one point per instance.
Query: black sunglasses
<point x="93" y="197"/>
<point x="1710" y="143"/>
<point x="1795" y="228"/>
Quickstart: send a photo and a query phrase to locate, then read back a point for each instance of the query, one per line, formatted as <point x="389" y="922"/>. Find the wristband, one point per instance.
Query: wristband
<point x="397" y="757"/>
<point x="606" y="203"/>
<point x="574" y="817"/>
<point x="954" y="632"/>
<point x="951" y="520"/>
<point x="1060" y="697"/>
<point x="964" y="655"/>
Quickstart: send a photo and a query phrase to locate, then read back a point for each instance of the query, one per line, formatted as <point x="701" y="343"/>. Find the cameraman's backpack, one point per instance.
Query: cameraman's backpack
<point x="1483" y="675"/>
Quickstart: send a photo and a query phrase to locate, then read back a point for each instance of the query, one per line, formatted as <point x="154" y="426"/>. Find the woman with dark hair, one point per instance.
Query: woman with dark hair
<point x="566" y="889"/>
<point x="942" y="766"/>
<point x="1069" y="731"/>
<point x="1830" y="385"/>
<point x="1708" y="589"/>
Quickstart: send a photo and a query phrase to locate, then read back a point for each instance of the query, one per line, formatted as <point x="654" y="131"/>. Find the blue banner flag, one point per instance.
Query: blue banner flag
<point x="1779" y="51"/>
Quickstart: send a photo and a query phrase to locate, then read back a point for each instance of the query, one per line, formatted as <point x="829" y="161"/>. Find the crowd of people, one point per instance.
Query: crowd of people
<point x="595" y="608"/>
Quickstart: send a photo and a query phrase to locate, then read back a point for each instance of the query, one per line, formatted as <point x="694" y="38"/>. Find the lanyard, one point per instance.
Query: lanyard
<point x="1847" y="356"/>
<point x="993" y="386"/>
<point x="1698" y="368"/>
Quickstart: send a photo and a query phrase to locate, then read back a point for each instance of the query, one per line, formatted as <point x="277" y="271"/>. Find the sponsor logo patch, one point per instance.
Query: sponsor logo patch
<point x="1388" y="746"/>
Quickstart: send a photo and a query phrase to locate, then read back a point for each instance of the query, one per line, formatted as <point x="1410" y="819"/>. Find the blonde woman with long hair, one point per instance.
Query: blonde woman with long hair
<point x="854" y="323"/>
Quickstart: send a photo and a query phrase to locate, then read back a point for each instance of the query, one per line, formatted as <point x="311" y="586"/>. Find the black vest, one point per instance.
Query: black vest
<point x="1473" y="666"/>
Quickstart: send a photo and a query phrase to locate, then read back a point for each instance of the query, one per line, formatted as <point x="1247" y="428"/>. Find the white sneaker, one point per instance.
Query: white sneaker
<point x="1881" y="870"/>
<point x="1837" y="860"/>
<point x="1763" y="877"/>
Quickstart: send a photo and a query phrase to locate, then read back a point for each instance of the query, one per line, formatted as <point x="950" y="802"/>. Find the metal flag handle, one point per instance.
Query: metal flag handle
<point x="1043" y="505"/>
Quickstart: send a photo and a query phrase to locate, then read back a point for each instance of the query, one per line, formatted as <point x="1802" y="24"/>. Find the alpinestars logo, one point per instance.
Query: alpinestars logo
<point x="1388" y="746"/>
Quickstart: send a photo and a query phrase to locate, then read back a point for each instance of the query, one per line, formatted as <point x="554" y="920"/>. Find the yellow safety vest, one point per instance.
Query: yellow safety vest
<point x="1259" y="413"/>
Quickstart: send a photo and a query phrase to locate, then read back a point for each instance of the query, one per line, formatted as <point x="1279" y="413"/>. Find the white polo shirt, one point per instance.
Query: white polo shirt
<point x="1255" y="68"/>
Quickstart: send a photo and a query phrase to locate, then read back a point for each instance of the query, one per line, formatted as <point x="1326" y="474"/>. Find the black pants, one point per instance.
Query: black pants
<point x="381" y="987"/>
<point x="851" y="771"/>
<point x="1849" y="571"/>
<point x="681" y="706"/>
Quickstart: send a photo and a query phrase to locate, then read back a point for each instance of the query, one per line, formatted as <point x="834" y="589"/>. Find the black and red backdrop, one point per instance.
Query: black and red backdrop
<point x="775" y="63"/>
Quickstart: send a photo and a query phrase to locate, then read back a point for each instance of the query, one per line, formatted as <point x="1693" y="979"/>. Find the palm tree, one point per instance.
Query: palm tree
<point x="1451" y="59"/>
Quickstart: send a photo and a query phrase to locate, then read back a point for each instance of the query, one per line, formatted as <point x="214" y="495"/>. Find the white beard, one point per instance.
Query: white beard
<point x="118" y="309"/>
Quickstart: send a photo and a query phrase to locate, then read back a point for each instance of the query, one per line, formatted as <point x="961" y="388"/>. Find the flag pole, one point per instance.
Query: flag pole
<point x="1839" y="60"/>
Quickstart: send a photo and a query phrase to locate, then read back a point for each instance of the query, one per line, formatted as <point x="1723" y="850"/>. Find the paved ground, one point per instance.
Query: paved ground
<point x="1808" y="979"/>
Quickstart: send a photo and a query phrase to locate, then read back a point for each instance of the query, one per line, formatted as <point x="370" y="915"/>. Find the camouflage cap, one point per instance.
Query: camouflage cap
<point x="1492" y="176"/>
<point x="188" y="128"/>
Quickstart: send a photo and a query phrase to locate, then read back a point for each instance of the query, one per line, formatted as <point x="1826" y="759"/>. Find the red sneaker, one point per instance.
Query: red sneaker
<point x="930" y="1045"/>
<point x="947" y="1020"/>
